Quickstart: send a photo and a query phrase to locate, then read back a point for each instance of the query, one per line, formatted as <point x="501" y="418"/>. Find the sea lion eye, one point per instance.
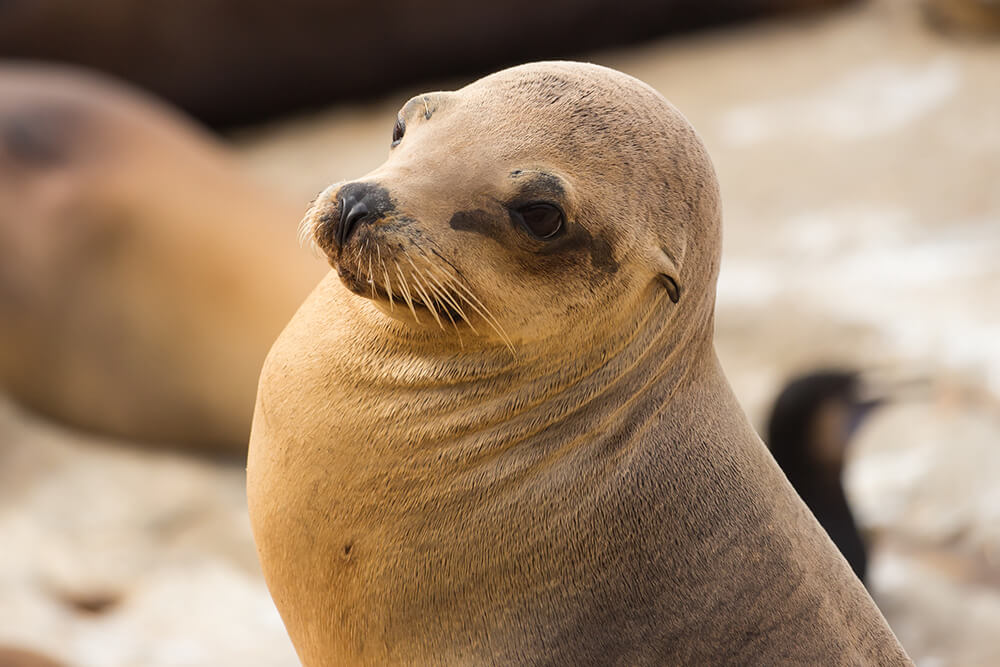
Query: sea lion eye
<point x="542" y="220"/>
<point x="397" y="131"/>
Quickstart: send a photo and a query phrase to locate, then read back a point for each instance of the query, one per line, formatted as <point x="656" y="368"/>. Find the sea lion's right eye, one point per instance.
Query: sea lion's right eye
<point x="542" y="220"/>
<point x="398" y="130"/>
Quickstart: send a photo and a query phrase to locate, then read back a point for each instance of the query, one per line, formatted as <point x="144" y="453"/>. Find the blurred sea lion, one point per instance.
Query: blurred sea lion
<point x="974" y="18"/>
<point x="235" y="61"/>
<point x="142" y="277"/>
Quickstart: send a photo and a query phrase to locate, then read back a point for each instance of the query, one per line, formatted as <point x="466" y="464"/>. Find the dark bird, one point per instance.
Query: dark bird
<point x="808" y="432"/>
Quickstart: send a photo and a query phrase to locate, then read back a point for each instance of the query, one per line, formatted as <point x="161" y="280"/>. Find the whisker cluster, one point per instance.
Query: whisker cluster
<point x="420" y="281"/>
<point x="306" y="234"/>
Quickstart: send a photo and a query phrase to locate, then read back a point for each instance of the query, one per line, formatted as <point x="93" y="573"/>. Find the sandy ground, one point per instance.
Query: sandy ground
<point x="859" y="156"/>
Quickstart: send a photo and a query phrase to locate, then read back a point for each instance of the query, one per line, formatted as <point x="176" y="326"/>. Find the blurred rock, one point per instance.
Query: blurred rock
<point x="941" y="619"/>
<point x="927" y="473"/>
<point x="113" y="556"/>
<point x="232" y="62"/>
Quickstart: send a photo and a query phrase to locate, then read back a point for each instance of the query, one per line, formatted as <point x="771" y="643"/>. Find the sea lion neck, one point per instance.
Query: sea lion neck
<point x="399" y="386"/>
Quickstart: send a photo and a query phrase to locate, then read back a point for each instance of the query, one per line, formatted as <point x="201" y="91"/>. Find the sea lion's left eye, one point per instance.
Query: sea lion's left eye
<point x="542" y="220"/>
<point x="397" y="131"/>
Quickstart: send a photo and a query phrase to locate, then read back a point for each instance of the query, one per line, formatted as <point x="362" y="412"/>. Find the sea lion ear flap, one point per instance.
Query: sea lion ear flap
<point x="667" y="275"/>
<point x="671" y="285"/>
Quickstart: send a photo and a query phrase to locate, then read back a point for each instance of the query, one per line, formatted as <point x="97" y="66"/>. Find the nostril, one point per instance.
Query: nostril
<point x="357" y="212"/>
<point x="360" y="204"/>
<point x="352" y="211"/>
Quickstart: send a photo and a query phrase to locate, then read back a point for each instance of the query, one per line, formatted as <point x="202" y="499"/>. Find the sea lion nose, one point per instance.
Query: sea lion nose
<point x="351" y="211"/>
<point x="358" y="202"/>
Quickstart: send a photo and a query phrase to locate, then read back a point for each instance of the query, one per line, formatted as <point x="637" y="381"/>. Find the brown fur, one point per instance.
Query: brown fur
<point x="575" y="484"/>
<point x="131" y="256"/>
<point x="18" y="657"/>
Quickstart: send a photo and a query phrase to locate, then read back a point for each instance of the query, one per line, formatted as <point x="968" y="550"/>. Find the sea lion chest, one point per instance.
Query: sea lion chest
<point x="399" y="514"/>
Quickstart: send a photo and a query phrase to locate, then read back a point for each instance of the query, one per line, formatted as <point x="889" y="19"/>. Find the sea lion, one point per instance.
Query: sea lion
<point x="142" y="277"/>
<point x="498" y="433"/>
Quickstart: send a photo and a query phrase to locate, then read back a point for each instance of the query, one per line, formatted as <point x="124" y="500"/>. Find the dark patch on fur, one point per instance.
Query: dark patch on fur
<point x="477" y="220"/>
<point x="577" y="239"/>
<point x="41" y="136"/>
<point x="580" y="239"/>
<point x="537" y="186"/>
<point x="601" y="255"/>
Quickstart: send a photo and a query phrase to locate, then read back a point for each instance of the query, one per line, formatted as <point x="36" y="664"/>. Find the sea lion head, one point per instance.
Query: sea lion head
<point x="531" y="201"/>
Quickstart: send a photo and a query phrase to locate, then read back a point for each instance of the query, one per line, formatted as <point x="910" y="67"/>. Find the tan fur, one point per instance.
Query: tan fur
<point x="131" y="256"/>
<point x="591" y="493"/>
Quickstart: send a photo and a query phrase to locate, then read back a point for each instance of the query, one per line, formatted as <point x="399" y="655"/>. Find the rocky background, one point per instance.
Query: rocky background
<point x="859" y="157"/>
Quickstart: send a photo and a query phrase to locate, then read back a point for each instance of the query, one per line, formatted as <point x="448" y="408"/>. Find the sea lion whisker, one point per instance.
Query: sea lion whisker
<point x="450" y="296"/>
<point x="447" y="261"/>
<point x="419" y="287"/>
<point x="447" y="296"/>
<point x="405" y="288"/>
<point x="490" y="320"/>
<point x="388" y="283"/>
<point x="467" y="295"/>
<point x="440" y="302"/>
<point x="445" y="303"/>
<point x="305" y="227"/>
<point x="371" y="276"/>
<point x="305" y="234"/>
<point x="454" y="325"/>
<point x="428" y="301"/>
<point x="454" y="281"/>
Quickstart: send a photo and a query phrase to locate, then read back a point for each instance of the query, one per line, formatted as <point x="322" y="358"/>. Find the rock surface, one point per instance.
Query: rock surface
<point x="858" y="155"/>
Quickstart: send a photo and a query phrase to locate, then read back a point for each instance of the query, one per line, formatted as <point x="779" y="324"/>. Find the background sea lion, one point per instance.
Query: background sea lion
<point x="142" y="277"/>
<point x="562" y="474"/>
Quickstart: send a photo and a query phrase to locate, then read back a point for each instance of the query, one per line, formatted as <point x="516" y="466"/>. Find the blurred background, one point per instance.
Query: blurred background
<point x="155" y="160"/>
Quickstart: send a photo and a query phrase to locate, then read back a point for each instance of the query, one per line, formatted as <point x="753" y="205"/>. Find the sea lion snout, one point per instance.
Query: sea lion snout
<point x="352" y="205"/>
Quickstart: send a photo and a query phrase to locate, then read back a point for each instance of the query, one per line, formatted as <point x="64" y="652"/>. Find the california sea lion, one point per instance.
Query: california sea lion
<point x="142" y="278"/>
<point x="499" y="434"/>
